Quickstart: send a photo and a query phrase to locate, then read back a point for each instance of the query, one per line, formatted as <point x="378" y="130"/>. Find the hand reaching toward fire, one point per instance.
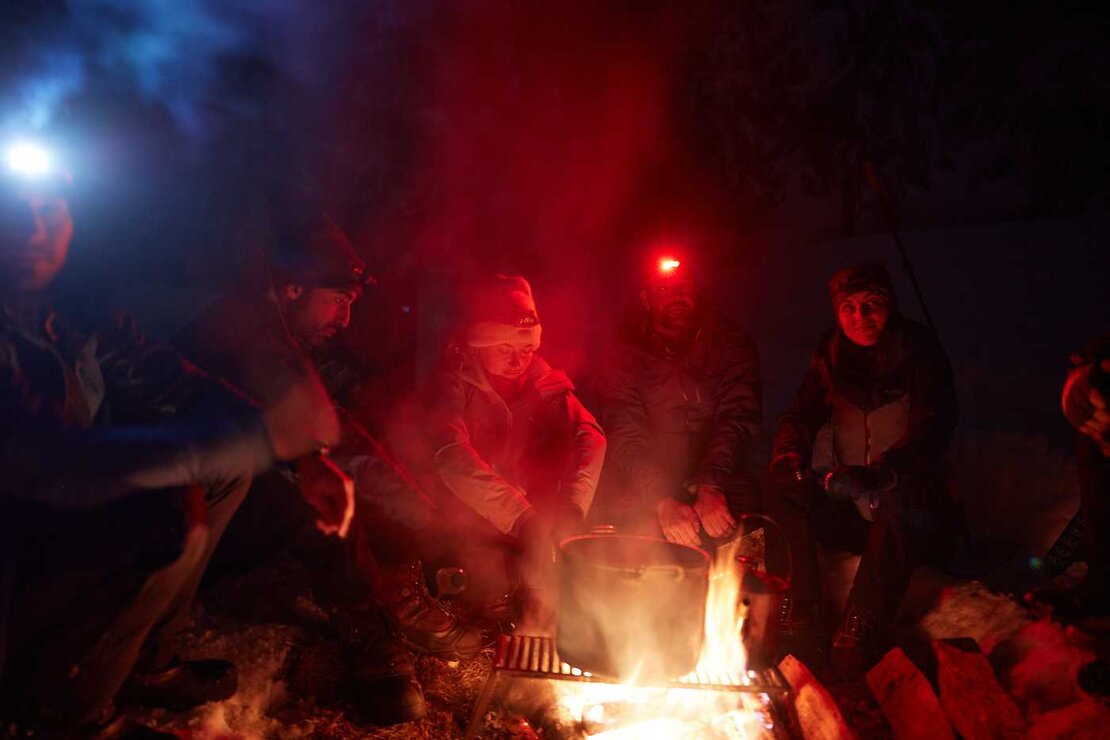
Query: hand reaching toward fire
<point x="711" y="507"/>
<point x="328" y="490"/>
<point x="679" y="521"/>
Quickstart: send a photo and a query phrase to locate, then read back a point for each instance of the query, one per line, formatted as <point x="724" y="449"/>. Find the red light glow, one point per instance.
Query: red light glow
<point x="667" y="265"/>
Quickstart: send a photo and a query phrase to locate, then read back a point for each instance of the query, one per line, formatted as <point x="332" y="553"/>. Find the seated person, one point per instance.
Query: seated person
<point x="122" y="466"/>
<point x="681" y="403"/>
<point x="873" y="419"/>
<point x="517" y="454"/>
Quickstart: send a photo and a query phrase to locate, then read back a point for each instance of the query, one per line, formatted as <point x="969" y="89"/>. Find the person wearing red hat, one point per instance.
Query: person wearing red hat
<point x="857" y="461"/>
<point x="255" y="340"/>
<point x="516" y="452"/>
<point x="682" y="403"/>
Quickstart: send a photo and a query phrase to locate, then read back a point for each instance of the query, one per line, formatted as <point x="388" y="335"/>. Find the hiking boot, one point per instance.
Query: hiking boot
<point x="798" y="619"/>
<point x="854" y="644"/>
<point x="383" y="685"/>
<point x="183" y="684"/>
<point x="425" y="624"/>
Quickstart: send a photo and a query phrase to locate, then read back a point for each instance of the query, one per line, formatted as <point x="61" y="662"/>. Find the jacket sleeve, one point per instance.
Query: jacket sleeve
<point x="462" y="468"/>
<point x="78" y="468"/>
<point x="799" y="424"/>
<point x="588" y="451"/>
<point x="625" y="419"/>
<point x="933" y="412"/>
<point x="738" y="416"/>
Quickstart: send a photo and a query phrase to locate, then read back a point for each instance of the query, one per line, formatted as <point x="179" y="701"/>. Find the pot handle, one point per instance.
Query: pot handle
<point x="782" y="534"/>
<point x="676" y="572"/>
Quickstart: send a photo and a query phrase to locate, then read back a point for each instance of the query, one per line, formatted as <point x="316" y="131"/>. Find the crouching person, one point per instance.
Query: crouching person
<point x="372" y="587"/>
<point x="518" y="453"/>
<point x="122" y="467"/>
<point x="857" y="461"/>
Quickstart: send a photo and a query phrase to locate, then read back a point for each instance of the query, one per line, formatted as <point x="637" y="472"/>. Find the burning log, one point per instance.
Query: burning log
<point x="818" y="716"/>
<point x="970" y="693"/>
<point x="908" y="700"/>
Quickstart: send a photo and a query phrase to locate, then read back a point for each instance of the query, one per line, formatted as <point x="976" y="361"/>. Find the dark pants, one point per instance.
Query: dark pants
<point x="1094" y="493"/>
<point x="395" y="524"/>
<point x="96" y="594"/>
<point x="917" y="523"/>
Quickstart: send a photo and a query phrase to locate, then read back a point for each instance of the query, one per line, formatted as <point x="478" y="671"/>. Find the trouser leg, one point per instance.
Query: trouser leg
<point x="89" y="589"/>
<point x="221" y="502"/>
<point x="916" y="524"/>
<point x="1094" y="492"/>
<point x="799" y="552"/>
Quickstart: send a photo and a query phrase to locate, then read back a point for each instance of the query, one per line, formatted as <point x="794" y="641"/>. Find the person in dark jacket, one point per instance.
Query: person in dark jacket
<point x="1084" y="402"/>
<point x="251" y="338"/>
<point x="122" y="466"/>
<point x="682" y="403"/>
<point x="516" y="452"/>
<point x="872" y="420"/>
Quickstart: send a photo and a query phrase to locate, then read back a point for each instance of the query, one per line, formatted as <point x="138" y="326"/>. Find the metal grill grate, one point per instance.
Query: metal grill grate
<point x="536" y="657"/>
<point x="528" y="656"/>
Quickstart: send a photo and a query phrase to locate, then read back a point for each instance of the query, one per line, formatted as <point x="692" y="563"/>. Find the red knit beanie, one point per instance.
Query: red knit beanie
<point x="502" y="311"/>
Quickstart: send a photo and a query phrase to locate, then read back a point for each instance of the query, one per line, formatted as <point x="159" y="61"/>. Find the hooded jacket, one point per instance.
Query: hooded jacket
<point x="681" y="419"/>
<point x="893" y="405"/>
<point x="502" y="459"/>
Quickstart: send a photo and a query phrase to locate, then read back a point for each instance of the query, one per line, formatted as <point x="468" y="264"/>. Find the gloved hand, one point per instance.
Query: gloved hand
<point x="711" y="506"/>
<point x="786" y="469"/>
<point x="567" y="522"/>
<point x="792" y="480"/>
<point x="853" y="482"/>
<point x="328" y="490"/>
<point x="679" y="522"/>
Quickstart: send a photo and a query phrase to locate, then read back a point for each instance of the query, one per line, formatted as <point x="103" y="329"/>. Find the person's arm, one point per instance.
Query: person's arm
<point x="148" y="382"/>
<point x="461" y="466"/>
<point x="164" y="423"/>
<point x="809" y="411"/>
<point x="739" y="413"/>
<point x="933" y="412"/>
<point x="625" y="420"/>
<point x="588" y="445"/>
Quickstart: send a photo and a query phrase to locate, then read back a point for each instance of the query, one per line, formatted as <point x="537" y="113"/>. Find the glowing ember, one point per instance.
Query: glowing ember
<point x="614" y="712"/>
<point x="668" y="264"/>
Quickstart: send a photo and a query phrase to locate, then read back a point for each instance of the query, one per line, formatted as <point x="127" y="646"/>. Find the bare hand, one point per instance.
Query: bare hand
<point x="711" y="507"/>
<point x="679" y="522"/>
<point x="328" y="490"/>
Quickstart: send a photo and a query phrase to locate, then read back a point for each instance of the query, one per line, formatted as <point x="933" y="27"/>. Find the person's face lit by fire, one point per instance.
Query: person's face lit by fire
<point x="316" y="315"/>
<point x="509" y="361"/>
<point x="35" y="231"/>
<point x="672" y="303"/>
<point x="863" y="317"/>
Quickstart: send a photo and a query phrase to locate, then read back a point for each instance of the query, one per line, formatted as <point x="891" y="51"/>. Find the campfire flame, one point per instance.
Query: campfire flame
<point x="628" y="710"/>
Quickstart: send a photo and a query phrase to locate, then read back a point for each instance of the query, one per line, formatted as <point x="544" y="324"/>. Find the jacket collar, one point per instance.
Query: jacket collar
<point x="545" y="379"/>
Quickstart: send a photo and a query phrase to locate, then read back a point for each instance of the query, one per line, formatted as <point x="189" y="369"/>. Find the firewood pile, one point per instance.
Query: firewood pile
<point x="950" y="689"/>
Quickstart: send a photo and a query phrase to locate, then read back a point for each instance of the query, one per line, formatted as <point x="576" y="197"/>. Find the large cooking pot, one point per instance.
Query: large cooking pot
<point x="631" y="607"/>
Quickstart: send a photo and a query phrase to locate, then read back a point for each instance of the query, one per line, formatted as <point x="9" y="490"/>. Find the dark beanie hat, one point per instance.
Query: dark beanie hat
<point x="312" y="250"/>
<point x="871" y="278"/>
